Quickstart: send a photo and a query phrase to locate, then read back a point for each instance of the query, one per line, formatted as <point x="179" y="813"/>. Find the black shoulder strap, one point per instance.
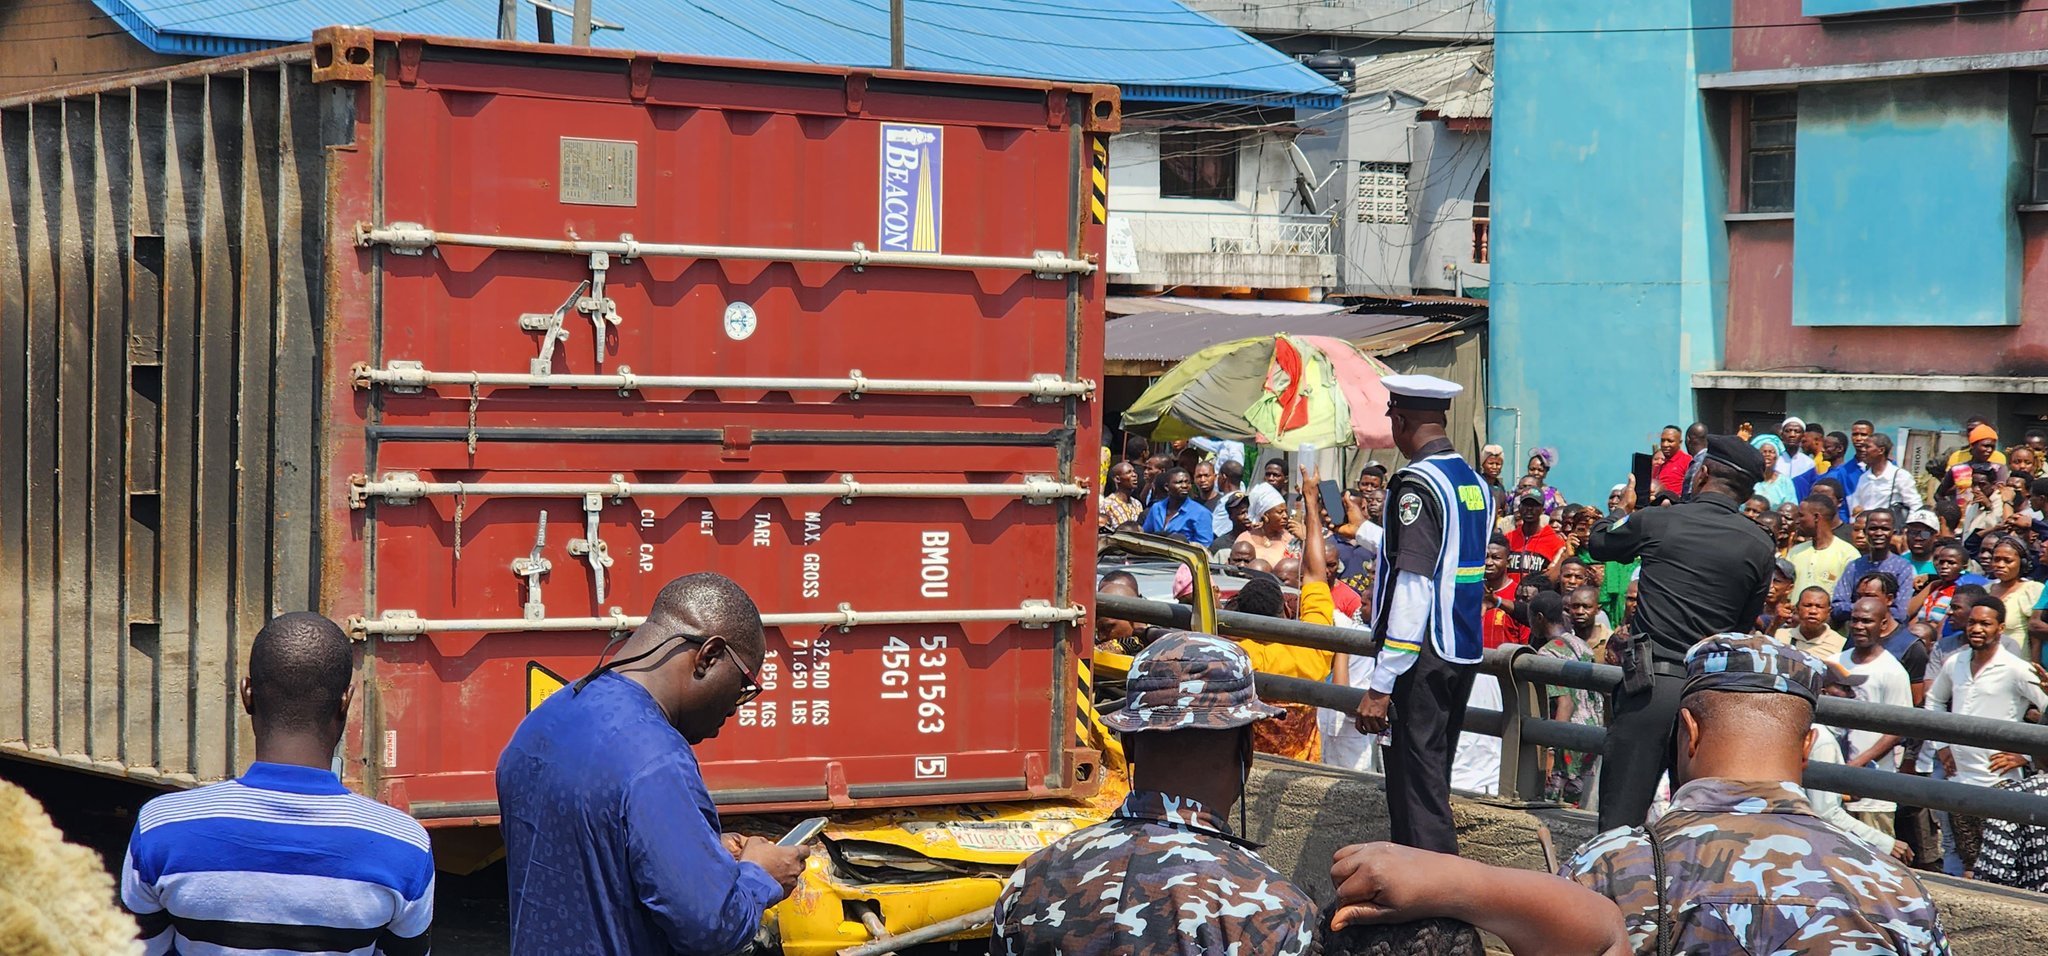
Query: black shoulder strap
<point x="1666" y="930"/>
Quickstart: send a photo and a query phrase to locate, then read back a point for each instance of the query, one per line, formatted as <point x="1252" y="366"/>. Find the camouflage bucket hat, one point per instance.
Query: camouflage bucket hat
<point x="1188" y="681"/>
<point x="1748" y="663"/>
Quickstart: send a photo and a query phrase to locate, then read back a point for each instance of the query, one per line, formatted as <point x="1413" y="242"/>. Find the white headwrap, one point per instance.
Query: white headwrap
<point x="1263" y="499"/>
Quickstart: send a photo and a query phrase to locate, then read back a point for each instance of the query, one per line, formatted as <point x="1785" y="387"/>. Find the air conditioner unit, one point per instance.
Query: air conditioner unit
<point x="1236" y="245"/>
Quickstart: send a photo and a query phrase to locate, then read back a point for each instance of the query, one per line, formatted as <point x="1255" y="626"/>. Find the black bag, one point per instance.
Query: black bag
<point x="1634" y="657"/>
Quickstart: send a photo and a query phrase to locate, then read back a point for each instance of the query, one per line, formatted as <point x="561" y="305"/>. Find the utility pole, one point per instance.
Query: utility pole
<point x="896" y="34"/>
<point x="508" y="19"/>
<point x="579" y="34"/>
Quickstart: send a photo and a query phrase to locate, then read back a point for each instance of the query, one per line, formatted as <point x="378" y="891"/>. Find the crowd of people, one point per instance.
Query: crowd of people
<point x="1909" y="589"/>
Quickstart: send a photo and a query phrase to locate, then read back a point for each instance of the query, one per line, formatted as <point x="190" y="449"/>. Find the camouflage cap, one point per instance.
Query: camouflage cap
<point x="1189" y="681"/>
<point x="1752" y="664"/>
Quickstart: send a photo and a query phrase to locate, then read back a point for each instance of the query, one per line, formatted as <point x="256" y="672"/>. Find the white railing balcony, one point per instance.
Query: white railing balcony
<point x="1256" y="250"/>
<point x="1409" y="19"/>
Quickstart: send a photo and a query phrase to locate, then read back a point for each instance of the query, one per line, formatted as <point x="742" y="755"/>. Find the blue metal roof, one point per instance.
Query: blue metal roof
<point x="1158" y="50"/>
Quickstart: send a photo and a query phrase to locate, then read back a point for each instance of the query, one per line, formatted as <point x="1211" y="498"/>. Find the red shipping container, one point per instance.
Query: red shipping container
<point x="581" y="322"/>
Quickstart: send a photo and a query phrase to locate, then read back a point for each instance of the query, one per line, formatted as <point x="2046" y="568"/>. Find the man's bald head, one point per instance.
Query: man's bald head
<point x="709" y="604"/>
<point x="1119" y="583"/>
<point x="1288" y="571"/>
<point x="300" y="665"/>
<point x="1744" y="736"/>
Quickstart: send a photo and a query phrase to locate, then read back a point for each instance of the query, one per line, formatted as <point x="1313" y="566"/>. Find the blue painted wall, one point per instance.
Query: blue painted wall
<point x="1609" y="272"/>
<point x="1932" y="162"/>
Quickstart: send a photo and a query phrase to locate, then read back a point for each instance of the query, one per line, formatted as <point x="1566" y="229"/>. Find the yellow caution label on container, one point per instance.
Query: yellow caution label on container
<point x="540" y="682"/>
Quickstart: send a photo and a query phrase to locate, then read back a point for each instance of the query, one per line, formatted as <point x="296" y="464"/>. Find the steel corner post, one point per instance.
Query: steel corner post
<point x="1522" y="699"/>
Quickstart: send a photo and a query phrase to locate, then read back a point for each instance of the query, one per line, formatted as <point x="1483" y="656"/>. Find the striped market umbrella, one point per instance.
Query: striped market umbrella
<point x="1282" y="391"/>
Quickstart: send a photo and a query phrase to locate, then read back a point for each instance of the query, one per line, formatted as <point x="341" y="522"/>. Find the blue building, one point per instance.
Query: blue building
<point x="1737" y="210"/>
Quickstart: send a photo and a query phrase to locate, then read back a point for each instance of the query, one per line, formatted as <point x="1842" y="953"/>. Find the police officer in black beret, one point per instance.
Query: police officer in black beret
<point x="1706" y="569"/>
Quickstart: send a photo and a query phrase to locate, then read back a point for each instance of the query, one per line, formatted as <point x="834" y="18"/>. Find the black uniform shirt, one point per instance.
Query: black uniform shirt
<point x="1706" y="569"/>
<point x="1414" y="518"/>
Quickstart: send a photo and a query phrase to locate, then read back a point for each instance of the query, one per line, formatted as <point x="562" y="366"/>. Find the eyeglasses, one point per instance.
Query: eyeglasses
<point x="750" y="684"/>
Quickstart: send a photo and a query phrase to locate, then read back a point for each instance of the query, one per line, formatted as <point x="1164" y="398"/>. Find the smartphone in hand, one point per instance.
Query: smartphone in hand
<point x="803" y="832"/>
<point x="1333" y="500"/>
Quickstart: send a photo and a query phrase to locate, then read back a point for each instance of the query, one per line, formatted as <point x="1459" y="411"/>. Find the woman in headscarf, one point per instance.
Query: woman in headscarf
<point x="1492" y="459"/>
<point x="1540" y="463"/>
<point x="1268" y="534"/>
<point x="1776" y="489"/>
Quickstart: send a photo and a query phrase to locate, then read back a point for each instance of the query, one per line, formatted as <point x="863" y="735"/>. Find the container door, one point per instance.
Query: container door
<point x="883" y="455"/>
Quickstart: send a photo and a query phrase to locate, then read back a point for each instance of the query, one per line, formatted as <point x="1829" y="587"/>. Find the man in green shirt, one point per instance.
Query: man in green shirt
<point x="1820" y="560"/>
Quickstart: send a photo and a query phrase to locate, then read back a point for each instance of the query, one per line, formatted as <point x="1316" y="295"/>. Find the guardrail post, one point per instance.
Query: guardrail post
<point x="1521" y="763"/>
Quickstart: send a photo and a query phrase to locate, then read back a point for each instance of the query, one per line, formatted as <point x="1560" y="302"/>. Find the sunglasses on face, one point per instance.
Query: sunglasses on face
<point x="750" y="684"/>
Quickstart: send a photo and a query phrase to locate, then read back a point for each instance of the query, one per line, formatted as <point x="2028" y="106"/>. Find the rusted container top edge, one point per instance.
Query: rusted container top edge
<point x="327" y="51"/>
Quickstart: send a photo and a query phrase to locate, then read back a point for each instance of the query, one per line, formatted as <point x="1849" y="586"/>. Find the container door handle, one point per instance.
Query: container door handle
<point x="590" y="547"/>
<point x="531" y="568"/>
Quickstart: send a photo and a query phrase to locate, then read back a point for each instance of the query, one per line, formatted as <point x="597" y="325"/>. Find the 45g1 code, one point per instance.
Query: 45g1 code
<point x="918" y="674"/>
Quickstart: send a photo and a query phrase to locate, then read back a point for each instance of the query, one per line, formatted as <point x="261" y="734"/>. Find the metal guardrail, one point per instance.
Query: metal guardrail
<point x="1524" y="731"/>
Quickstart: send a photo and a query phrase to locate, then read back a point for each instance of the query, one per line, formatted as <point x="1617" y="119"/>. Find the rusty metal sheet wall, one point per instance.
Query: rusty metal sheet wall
<point x="160" y="314"/>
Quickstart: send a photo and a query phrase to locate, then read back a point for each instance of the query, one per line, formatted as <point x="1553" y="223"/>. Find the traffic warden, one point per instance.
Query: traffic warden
<point x="1706" y="569"/>
<point x="1740" y="864"/>
<point x="1164" y="874"/>
<point x="1428" y="595"/>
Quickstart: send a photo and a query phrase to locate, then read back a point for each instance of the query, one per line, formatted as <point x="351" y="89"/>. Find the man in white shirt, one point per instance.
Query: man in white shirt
<point x="1826" y="747"/>
<point x="1794" y="462"/>
<point x="1884" y="484"/>
<point x="1885" y="681"/>
<point x="1987" y="682"/>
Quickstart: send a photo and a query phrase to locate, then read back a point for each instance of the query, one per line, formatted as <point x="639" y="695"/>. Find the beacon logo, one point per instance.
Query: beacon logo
<point x="913" y="160"/>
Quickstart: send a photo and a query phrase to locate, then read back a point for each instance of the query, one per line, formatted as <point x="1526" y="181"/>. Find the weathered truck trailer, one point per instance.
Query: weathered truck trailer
<point x="475" y="345"/>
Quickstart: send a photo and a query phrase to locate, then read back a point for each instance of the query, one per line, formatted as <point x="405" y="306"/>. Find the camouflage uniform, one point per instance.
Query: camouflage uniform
<point x="1163" y="875"/>
<point x="1748" y="867"/>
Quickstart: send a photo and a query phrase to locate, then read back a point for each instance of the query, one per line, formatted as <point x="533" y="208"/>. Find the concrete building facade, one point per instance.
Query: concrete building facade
<point x="1736" y="210"/>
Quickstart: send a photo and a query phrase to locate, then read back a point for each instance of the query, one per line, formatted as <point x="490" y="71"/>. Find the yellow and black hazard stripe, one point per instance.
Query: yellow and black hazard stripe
<point x="1098" y="196"/>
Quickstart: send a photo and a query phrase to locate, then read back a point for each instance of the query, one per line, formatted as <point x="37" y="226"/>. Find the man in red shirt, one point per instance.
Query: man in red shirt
<point x="1533" y="547"/>
<point x="1496" y="626"/>
<point x="1670" y="476"/>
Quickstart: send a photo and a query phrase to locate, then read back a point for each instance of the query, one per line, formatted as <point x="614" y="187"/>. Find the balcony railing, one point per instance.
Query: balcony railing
<point x="1227" y="233"/>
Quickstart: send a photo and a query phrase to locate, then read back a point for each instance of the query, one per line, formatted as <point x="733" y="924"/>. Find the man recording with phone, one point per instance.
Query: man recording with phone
<point x="1705" y="570"/>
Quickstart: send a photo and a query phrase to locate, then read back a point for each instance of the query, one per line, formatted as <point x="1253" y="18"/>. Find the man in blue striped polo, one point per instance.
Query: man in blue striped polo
<point x="283" y="857"/>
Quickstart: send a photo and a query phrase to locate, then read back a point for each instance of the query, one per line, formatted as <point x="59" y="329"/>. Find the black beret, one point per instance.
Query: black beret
<point x="1738" y="454"/>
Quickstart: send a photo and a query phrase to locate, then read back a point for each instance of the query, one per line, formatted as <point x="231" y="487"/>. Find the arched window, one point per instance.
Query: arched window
<point x="1482" y="219"/>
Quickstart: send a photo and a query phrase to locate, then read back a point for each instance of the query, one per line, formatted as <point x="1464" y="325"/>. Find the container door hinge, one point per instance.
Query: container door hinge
<point x="1048" y="388"/>
<point x="1039" y="489"/>
<point x="1038" y="615"/>
<point x="359" y="496"/>
<point x="590" y="547"/>
<point x="392" y="625"/>
<point x="410" y="51"/>
<point x="531" y="568"/>
<point x="639" y="76"/>
<point x="549" y="325"/>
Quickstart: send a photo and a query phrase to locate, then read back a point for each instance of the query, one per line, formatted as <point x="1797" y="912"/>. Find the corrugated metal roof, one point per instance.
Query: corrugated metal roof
<point x="1138" y="304"/>
<point x="1454" y="81"/>
<point x="1157" y="50"/>
<point x="1170" y="337"/>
